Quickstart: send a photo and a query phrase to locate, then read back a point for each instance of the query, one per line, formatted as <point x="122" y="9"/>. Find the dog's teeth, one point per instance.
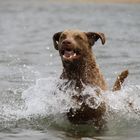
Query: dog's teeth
<point x="69" y="56"/>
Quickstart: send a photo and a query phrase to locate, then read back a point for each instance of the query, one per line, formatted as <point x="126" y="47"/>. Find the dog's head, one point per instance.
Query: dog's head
<point x="74" y="44"/>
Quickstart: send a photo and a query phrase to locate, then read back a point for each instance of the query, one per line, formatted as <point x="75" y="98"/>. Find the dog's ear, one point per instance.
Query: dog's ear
<point x="56" y="37"/>
<point x="94" y="36"/>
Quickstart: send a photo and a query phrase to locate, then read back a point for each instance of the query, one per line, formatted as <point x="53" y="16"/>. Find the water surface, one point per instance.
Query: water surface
<point x="30" y="68"/>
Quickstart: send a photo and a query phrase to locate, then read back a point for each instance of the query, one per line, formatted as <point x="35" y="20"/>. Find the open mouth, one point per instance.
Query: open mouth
<point x="70" y="54"/>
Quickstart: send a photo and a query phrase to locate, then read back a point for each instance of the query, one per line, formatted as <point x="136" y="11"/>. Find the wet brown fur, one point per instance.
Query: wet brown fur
<point x="84" y="71"/>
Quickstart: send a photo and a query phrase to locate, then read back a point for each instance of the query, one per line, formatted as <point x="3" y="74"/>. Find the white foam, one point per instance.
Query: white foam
<point x="45" y="98"/>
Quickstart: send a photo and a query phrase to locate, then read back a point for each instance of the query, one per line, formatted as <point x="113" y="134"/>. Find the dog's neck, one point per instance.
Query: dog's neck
<point x="80" y="70"/>
<point x="85" y="71"/>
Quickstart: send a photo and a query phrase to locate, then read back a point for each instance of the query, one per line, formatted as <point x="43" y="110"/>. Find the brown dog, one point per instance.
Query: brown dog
<point x="75" y="49"/>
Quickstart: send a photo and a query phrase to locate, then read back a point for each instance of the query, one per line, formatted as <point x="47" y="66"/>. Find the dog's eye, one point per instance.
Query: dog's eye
<point x="63" y="37"/>
<point x="78" y="37"/>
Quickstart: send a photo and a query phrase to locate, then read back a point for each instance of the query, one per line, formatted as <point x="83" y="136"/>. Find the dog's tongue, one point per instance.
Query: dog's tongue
<point x="68" y="53"/>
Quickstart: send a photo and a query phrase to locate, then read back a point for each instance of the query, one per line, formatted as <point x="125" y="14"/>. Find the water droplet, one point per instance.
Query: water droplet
<point x="48" y="48"/>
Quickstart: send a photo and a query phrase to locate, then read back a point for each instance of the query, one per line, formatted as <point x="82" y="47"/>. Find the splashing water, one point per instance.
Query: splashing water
<point x="46" y="99"/>
<point x="125" y="102"/>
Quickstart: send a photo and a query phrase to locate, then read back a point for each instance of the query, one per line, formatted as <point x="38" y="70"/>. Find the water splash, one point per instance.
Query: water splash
<point x="46" y="100"/>
<point x="124" y="102"/>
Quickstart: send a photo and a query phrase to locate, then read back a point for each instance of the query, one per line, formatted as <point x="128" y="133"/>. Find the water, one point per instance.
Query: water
<point x="31" y="105"/>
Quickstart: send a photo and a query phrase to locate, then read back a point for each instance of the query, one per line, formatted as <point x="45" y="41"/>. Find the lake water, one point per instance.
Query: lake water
<point x="30" y="69"/>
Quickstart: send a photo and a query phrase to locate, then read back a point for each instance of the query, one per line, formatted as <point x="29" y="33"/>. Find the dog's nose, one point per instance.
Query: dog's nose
<point x="66" y="42"/>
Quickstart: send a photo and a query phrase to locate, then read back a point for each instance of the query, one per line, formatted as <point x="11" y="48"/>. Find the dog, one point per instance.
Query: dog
<point x="80" y="68"/>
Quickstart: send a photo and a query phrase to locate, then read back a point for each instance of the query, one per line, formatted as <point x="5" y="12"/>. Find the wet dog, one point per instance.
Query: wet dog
<point x="79" y="67"/>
